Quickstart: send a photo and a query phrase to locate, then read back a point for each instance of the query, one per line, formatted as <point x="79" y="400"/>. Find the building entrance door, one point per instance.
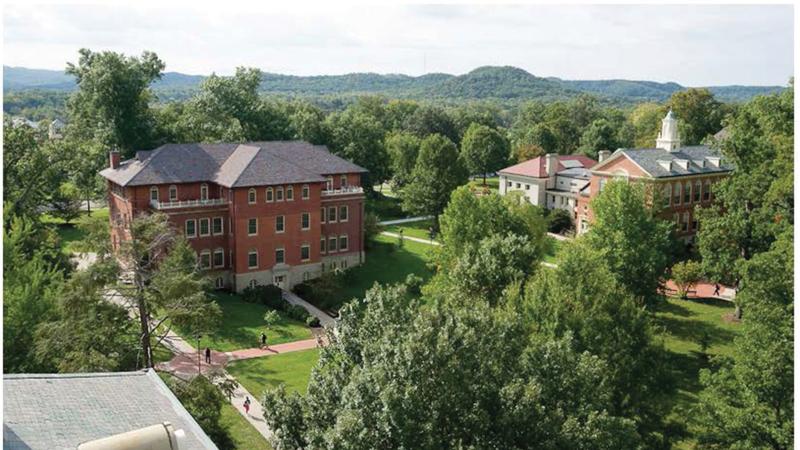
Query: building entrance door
<point x="280" y="281"/>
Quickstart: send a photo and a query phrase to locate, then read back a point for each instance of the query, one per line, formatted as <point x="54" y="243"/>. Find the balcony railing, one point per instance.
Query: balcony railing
<point x="344" y="191"/>
<point x="187" y="203"/>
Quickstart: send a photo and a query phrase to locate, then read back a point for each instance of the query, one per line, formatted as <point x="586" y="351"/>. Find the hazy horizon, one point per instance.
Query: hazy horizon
<point x="706" y="45"/>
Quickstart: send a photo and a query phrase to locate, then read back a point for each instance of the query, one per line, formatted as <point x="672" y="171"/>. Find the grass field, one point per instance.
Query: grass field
<point x="385" y="207"/>
<point x="492" y="182"/>
<point x="242" y="324"/>
<point x="290" y="369"/>
<point x="555" y="245"/>
<point x="386" y="263"/>
<point x="685" y="323"/>
<point x="243" y="435"/>
<point x="70" y="234"/>
<point x="414" y="229"/>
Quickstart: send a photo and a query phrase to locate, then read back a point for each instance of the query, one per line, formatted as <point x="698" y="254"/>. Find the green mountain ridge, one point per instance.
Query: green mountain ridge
<point x="504" y="83"/>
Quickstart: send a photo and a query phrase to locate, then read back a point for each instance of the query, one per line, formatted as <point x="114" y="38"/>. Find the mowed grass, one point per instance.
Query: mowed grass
<point x="292" y="370"/>
<point x="491" y="182"/>
<point x="70" y="234"/>
<point x="553" y="248"/>
<point x="684" y="324"/>
<point x="386" y="263"/>
<point x="242" y="324"/>
<point x="243" y="435"/>
<point x="420" y="229"/>
<point x="385" y="207"/>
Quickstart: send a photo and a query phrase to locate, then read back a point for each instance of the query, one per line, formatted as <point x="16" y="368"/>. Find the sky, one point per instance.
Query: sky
<point x="693" y="45"/>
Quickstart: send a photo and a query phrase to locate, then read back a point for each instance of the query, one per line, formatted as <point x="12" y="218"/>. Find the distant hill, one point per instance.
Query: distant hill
<point x="489" y="82"/>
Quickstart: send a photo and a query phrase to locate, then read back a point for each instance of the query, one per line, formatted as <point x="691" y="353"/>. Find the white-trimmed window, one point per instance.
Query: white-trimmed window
<point x="332" y="244"/>
<point x="251" y="196"/>
<point x="322" y="245"/>
<point x="153" y="193"/>
<point x="205" y="227"/>
<point x="306" y="276"/>
<point x="343" y="181"/>
<point x="344" y="264"/>
<point x="203" y="191"/>
<point x="252" y="227"/>
<point x="252" y="259"/>
<point x="219" y="283"/>
<point x="280" y="224"/>
<point x="219" y="258"/>
<point x="305" y="192"/>
<point x="343" y="213"/>
<point x="329" y="184"/>
<point x="253" y="283"/>
<point x="205" y="259"/>
<point x="685" y="222"/>
<point x="279" y="194"/>
<point x="305" y="221"/>
<point x="305" y="252"/>
<point x="322" y="215"/>
<point x="217" y="226"/>
<point x="687" y="193"/>
<point x="344" y="243"/>
<point x="698" y="189"/>
<point x="280" y="256"/>
<point x="289" y="193"/>
<point x="268" y="194"/>
<point x="677" y="218"/>
<point x="190" y="228"/>
<point x="667" y="194"/>
<point x="173" y="193"/>
<point x="331" y="214"/>
<point x="676" y="194"/>
<point x="706" y="191"/>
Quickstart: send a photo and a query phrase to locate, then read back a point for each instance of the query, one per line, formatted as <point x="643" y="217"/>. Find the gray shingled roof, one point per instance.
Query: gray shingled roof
<point x="231" y="165"/>
<point x="650" y="159"/>
<point x="60" y="411"/>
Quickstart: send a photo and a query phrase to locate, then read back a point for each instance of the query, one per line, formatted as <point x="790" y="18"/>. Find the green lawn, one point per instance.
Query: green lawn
<point x="70" y="234"/>
<point x="555" y="245"/>
<point x="385" y="207"/>
<point x="492" y="182"/>
<point x="243" y="435"/>
<point x="414" y="229"/>
<point x="685" y="322"/>
<point x="242" y="324"/>
<point x="290" y="369"/>
<point x="386" y="263"/>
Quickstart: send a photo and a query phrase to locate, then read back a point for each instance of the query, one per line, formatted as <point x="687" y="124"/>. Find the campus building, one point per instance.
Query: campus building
<point x="681" y="177"/>
<point x="256" y="213"/>
<point x="551" y="181"/>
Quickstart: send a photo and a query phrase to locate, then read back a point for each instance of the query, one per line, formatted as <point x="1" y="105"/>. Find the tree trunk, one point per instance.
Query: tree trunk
<point x="737" y="313"/>
<point x="484" y="178"/>
<point x="144" y="321"/>
<point x="88" y="205"/>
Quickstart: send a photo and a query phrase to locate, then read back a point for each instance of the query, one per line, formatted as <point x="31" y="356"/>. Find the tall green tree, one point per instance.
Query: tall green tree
<point x="484" y="150"/>
<point x="600" y="135"/>
<point x="359" y="137"/>
<point x="403" y="149"/>
<point x="437" y="172"/>
<point x="637" y="245"/>
<point x="700" y="114"/>
<point x="646" y="122"/>
<point x="393" y="376"/>
<point x="429" y="119"/>
<point x="748" y="401"/>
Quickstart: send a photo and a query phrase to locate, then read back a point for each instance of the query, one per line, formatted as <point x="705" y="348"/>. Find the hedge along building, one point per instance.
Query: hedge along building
<point x="256" y="213"/>
<point x="681" y="178"/>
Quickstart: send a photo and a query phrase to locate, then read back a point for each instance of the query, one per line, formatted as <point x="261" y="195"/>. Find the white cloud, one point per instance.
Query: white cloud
<point x="693" y="45"/>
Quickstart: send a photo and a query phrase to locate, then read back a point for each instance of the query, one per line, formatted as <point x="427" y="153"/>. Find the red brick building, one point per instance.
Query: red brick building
<point x="256" y="213"/>
<point x="681" y="178"/>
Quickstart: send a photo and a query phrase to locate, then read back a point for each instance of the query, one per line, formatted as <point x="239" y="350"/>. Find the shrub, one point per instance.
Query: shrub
<point x="312" y="321"/>
<point x="269" y="295"/>
<point x="297" y="313"/>
<point x="303" y="290"/>
<point x="685" y="275"/>
<point x="559" y="221"/>
<point x="371" y="227"/>
<point x="413" y="284"/>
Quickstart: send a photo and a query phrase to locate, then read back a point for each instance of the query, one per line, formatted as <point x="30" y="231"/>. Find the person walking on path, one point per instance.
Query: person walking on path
<point x="208" y="355"/>
<point x="716" y="289"/>
<point x="246" y="405"/>
<point x="264" y="340"/>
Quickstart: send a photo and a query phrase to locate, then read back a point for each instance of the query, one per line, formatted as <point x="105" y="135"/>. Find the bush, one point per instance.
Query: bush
<point x="269" y="295"/>
<point x="685" y="275"/>
<point x="371" y="227"/>
<point x="312" y="321"/>
<point x="303" y="290"/>
<point x="559" y="221"/>
<point x="413" y="284"/>
<point x="297" y="313"/>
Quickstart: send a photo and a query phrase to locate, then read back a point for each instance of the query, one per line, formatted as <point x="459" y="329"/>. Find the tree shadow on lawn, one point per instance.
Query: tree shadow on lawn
<point x="693" y="330"/>
<point x="669" y="307"/>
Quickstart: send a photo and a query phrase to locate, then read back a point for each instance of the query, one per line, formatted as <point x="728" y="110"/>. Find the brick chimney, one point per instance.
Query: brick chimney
<point x="550" y="164"/>
<point x="602" y="155"/>
<point x="113" y="157"/>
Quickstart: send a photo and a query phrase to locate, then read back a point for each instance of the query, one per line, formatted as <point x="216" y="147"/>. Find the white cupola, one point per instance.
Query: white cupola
<point x="668" y="137"/>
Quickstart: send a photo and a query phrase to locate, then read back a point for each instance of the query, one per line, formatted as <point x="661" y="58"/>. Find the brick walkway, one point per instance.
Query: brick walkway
<point x="705" y="290"/>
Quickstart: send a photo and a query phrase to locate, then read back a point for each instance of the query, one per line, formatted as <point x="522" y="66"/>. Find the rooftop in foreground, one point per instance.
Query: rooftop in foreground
<point x="61" y="411"/>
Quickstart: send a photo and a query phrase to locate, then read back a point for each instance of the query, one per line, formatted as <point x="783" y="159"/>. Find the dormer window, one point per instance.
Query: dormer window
<point x="173" y="193"/>
<point x="203" y="191"/>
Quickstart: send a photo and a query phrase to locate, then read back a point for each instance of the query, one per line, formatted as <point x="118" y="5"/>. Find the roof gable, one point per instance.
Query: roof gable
<point x="536" y="167"/>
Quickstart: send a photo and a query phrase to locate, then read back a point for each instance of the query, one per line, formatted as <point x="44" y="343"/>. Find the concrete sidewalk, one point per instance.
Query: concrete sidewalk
<point x="406" y="220"/>
<point x="411" y="238"/>
<point x="324" y="319"/>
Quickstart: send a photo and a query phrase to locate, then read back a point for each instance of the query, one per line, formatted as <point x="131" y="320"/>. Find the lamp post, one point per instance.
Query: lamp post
<point x="198" y="336"/>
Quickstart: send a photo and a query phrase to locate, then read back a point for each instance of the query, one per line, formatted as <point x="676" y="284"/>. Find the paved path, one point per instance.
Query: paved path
<point x="559" y="237"/>
<point x="705" y="290"/>
<point x="406" y="220"/>
<point x="324" y="319"/>
<point x="411" y="238"/>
